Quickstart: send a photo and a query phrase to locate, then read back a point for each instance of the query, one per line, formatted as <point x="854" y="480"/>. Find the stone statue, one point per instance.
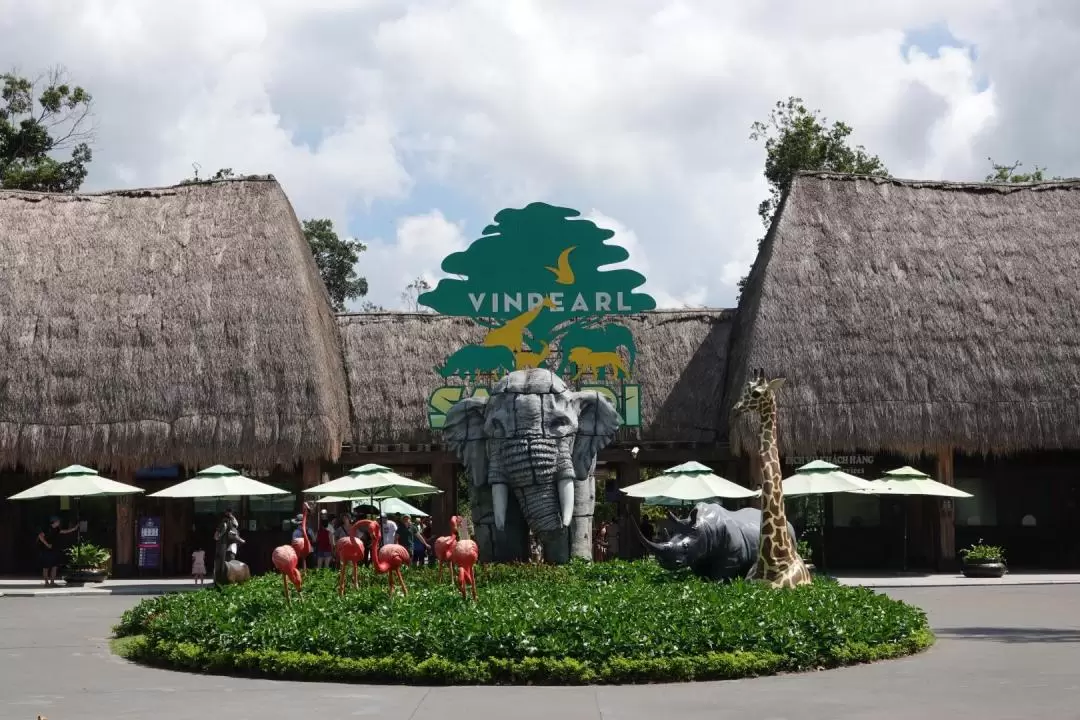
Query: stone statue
<point x="715" y="543"/>
<point x="227" y="569"/>
<point x="535" y="437"/>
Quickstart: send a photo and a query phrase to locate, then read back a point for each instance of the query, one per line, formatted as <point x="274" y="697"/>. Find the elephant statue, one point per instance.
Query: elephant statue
<point x="714" y="543"/>
<point x="536" y="437"/>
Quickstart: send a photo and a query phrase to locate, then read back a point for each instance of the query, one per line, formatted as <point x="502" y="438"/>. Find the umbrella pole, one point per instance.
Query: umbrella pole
<point x="78" y="524"/>
<point x="905" y="532"/>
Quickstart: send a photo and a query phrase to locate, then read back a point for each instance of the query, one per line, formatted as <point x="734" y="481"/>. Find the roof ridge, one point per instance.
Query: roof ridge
<point x="127" y="192"/>
<point x="1068" y="183"/>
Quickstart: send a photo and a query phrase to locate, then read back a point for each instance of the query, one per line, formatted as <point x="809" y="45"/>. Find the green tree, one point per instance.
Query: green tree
<point x="1009" y="174"/>
<point x="797" y="139"/>
<point x="39" y="121"/>
<point x="540" y="249"/>
<point x="336" y="258"/>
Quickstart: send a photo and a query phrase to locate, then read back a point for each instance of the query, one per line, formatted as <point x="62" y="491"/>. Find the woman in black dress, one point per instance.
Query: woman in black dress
<point x="49" y="546"/>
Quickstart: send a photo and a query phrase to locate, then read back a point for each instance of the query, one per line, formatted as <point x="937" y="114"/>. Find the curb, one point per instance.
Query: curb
<point x="79" y="592"/>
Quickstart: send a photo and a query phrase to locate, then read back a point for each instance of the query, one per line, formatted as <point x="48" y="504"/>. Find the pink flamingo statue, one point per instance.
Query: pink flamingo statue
<point x="350" y="551"/>
<point x="285" y="560"/>
<point x="444" y="548"/>
<point x="389" y="558"/>
<point x="302" y="544"/>
<point x="464" y="555"/>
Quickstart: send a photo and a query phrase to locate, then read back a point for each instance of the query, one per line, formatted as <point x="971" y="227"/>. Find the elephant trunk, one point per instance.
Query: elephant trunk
<point x="541" y="475"/>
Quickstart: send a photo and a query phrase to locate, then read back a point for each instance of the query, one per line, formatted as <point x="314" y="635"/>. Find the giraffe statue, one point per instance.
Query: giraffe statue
<point x="511" y="334"/>
<point x="778" y="562"/>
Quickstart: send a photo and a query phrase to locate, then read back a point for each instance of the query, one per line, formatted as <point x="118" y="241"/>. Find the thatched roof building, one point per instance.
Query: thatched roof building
<point x="916" y="315"/>
<point x="185" y="324"/>
<point x="391" y="360"/>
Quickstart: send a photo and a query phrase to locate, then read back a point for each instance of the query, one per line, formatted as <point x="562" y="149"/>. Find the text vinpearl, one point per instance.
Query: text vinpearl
<point x="518" y="302"/>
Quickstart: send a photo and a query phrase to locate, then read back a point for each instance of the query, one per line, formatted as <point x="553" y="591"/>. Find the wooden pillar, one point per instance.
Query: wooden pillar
<point x="947" y="513"/>
<point x="310" y="476"/>
<point x="626" y="474"/>
<point x="123" y="564"/>
<point x="443" y="505"/>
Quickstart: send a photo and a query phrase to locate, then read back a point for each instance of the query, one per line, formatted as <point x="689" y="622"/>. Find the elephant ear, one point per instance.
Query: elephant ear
<point x="463" y="432"/>
<point x="598" y="421"/>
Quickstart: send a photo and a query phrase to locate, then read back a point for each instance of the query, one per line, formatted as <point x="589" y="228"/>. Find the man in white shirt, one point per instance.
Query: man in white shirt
<point x="389" y="531"/>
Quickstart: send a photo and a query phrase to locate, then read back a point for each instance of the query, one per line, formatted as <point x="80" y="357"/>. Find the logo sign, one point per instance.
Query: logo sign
<point x="535" y="281"/>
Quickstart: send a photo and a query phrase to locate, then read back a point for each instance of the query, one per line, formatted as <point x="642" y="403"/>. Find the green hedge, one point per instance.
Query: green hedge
<point x="614" y="622"/>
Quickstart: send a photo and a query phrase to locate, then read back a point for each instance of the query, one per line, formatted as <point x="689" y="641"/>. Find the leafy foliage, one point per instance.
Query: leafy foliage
<point x="979" y="553"/>
<point x="87" y="555"/>
<point x="336" y="258"/>
<point x="1009" y="174"/>
<point x="797" y="139"/>
<point x="38" y="121"/>
<point x="613" y="622"/>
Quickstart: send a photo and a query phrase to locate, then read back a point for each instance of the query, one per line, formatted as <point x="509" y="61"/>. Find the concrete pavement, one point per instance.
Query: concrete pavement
<point x="1002" y="653"/>
<point x="158" y="586"/>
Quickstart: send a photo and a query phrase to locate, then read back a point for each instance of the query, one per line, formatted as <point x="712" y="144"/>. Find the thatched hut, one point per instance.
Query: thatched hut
<point x="391" y="359"/>
<point x="924" y="322"/>
<point x="171" y="326"/>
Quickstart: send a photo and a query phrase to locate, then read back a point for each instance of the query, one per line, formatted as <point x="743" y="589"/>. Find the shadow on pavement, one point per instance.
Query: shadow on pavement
<point x="1012" y="635"/>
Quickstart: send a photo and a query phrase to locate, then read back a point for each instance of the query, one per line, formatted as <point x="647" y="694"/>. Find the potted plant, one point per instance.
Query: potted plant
<point x="806" y="553"/>
<point x="86" y="563"/>
<point x="983" y="561"/>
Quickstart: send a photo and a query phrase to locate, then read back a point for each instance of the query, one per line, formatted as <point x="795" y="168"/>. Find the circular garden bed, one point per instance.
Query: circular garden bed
<point x="616" y="622"/>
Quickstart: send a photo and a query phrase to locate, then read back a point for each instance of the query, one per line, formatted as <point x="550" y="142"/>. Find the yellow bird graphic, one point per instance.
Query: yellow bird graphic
<point x="564" y="274"/>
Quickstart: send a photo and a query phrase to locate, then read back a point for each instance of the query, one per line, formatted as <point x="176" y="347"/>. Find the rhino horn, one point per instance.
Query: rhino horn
<point x="654" y="547"/>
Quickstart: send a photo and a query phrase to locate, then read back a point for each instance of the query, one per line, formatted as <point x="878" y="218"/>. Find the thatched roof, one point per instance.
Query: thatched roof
<point x="185" y="324"/>
<point x="390" y="358"/>
<point x="912" y="315"/>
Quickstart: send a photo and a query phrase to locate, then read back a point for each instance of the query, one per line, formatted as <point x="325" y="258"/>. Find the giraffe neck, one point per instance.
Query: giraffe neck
<point x="775" y="547"/>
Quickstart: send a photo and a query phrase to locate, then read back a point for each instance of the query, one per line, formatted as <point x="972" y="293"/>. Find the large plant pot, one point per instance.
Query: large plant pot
<point x="983" y="569"/>
<point x="77" y="577"/>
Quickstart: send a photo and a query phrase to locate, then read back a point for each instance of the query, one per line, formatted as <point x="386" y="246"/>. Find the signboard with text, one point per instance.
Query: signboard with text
<point x="149" y="543"/>
<point x="533" y="281"/>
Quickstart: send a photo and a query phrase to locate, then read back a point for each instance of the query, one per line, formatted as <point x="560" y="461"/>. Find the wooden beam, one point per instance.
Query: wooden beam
<point x="443" y="505"/>
<point x="629" y="473"/>
<point x="124" y="560"/>
<point x="947" y="511"/>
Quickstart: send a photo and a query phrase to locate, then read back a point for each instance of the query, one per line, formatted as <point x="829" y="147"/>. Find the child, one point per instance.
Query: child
<point x="198" y="566"/>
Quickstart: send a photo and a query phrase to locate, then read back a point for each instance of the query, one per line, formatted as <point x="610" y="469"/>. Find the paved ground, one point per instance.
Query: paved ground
<point x="20" y="587"/>
<point x="1002" y="653"/>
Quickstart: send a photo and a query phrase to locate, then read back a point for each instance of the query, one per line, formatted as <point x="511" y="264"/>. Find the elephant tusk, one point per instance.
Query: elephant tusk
<point x="566" y="499"/>
<point x="499" y="497"/>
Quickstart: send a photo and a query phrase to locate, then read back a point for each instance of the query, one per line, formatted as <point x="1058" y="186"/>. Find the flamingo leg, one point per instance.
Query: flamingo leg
<point x="438" y="578"/>
<point x="285" y="582"/>
<point x="356" y="574"/>
<point x="404" y="588"/>
<point x="341" y="580"/>
<point x="390" y="577"/>
<point x="472" y="581"/>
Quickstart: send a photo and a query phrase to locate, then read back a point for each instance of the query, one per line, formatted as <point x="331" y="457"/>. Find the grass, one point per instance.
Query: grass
<point x="616" y="622"/>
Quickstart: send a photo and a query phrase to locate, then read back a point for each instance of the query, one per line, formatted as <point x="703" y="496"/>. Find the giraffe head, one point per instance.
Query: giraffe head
<point x="759" y="394"/>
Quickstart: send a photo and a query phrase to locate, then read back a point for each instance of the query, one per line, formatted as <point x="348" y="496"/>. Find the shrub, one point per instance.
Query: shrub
<point x="580" y="623"/>
<point x="87" y="555"/>
<point x="979" y="553"/>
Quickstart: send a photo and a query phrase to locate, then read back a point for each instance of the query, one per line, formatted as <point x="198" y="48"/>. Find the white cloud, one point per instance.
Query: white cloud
<point x="417" y="250"/>
<point x="640" y="107"/>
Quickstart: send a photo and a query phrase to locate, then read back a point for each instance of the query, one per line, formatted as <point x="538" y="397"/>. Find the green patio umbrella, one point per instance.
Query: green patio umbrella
<point x="76" y="481"/>
<point x="219" y="481"/>
<point x="909" y="481"/>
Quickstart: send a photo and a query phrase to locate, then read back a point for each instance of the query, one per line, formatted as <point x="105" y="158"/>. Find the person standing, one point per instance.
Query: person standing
<point x="324" y="546"/>
<point x="389" y="531"/>
<point x="198" y="566"/>
<point x="49" y="543"/>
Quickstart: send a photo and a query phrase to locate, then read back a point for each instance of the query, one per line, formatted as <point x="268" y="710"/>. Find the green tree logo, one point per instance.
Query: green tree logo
<point x="538" y="253"/>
